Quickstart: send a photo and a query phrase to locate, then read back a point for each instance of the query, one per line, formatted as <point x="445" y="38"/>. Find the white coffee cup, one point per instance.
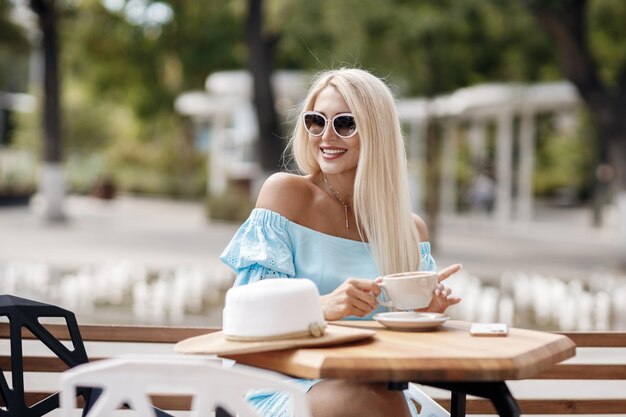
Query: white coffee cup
<point x="408" y="290"/>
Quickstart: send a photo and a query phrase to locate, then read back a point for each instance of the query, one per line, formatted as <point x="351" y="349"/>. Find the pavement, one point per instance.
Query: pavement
<point x="159" y="233"/>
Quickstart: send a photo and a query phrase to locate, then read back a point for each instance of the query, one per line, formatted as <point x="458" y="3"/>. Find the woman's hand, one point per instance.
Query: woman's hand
<point x="441" y="298"/>
<point x="355" y="297"/>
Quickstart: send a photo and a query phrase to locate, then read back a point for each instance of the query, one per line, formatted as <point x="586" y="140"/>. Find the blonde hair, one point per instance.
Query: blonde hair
<point x="381" y="201"/>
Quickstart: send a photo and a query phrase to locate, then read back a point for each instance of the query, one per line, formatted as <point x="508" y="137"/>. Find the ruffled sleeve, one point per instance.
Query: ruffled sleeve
<point x="427" y="262"/>
<point x="260" y="249"/>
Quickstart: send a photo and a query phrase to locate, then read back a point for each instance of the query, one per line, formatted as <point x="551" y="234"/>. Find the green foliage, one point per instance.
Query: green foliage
<point x="119" y="83"/>
<point x="18" y="173"/>
<point x="428" y="47"/>
<point x="91" y="122"/>
<point x="563" y="159"/>
<point x="13" y="70"/>
<point x="160" y="164"/>
<point x="88" y="123"/>
<point x="103" y="140"/>
<point x="14" y="50"/>
<point x="83" y="171"/>
<point x="146" y="66"/>
<point x="12" y="36"/>
<point x="607" y="38"/>
<point x="27" y="134"/>
<point x="605" y="34"/>
<point x="233" y="205"/>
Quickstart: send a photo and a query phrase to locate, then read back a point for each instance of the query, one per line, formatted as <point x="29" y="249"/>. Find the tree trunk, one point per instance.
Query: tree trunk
<point x="52" y="183"/>
<point x="260" y="47"/>
<point x="432" y="199"/>
<point x="433" y="181"/>
<point x="565" y="21"/>
<point x="617" y="150"/>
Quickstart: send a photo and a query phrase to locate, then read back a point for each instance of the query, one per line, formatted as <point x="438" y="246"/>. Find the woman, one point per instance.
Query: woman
<point x="342" y="224"/>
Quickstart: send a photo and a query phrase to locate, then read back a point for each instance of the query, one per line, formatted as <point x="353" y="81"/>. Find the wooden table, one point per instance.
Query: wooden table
<point x="447" y="358"/>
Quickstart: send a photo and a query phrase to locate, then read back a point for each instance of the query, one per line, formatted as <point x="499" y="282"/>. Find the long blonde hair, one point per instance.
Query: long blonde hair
<point x="381" y="201"/>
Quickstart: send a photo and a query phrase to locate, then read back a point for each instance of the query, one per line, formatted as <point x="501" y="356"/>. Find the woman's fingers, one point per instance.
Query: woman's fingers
<point x="365" y="285"/>
<point x="446" y="272"/>
<point x="364" y="295"/>
<point x="355" y="297"/>
<point x="360" y="308"/>
<point x="358" y="297"/>
<point x="441" y="300"/>
<point x="453" y="300"/>
<point x="442" y="290"/>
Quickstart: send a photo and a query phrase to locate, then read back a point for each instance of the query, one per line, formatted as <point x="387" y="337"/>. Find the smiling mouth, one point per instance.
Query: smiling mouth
<point x="333" y="151"/>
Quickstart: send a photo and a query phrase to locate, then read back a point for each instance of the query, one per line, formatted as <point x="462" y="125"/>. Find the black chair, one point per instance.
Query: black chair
<point x="23" y="313"/>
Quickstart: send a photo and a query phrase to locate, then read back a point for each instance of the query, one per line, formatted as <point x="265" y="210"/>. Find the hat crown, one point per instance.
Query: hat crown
<point x="272" y="308"/>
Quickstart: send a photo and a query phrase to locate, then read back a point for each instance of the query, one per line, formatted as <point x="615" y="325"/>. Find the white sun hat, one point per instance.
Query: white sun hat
<point x="272" y="314"/>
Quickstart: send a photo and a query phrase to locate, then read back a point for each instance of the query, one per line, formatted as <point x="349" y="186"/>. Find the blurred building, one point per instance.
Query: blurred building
<point x="467" y="115"/>
<point x="225" y="123"/>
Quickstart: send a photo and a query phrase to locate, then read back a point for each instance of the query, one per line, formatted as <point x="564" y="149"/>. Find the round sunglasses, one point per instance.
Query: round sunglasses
<point x="316" y="124"/>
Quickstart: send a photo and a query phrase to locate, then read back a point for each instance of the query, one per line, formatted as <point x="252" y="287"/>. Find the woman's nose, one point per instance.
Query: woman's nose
<point x="329" y="134"/>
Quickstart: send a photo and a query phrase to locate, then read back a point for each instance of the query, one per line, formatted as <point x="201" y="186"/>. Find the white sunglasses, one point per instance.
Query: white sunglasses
<point x="316" y="124"/>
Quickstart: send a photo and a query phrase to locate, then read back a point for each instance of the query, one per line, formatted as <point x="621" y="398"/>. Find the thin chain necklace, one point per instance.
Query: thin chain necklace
<point x="335" y="194"/>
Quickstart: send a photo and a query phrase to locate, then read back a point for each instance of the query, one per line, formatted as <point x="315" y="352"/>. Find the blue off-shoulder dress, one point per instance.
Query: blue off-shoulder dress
<point x="268" y="245"/>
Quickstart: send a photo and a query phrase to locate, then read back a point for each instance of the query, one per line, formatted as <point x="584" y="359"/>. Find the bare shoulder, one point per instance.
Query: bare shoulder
<point x="285" y="194"/>
<point x="422" y="229"/>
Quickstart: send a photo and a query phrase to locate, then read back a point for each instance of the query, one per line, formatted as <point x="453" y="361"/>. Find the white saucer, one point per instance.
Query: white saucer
<point x="409" y="320"/>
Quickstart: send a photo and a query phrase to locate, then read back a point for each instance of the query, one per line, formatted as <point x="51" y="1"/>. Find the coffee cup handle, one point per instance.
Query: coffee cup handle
<point x="383" y="292"/>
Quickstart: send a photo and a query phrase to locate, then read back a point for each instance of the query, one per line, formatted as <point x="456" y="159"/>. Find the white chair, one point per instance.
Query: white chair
<point x="128" y="380"/>
<point x="430" y="408"/>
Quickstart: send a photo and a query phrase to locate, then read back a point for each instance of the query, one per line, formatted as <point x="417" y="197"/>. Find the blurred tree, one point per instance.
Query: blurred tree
<point x="52" y="185"/>
<point x="14" y="47"/>
<point x="146" y="57"/>
<point x="11" y="34"/>
<point x="139" y="56"/>
<point x="425" y="48"/>
<point x="123" y="56"/>
<point x="260" y="56"/>
<point x="47" y="15"/>
<point x="14" y="50"/>
<point x="591" y="42"/>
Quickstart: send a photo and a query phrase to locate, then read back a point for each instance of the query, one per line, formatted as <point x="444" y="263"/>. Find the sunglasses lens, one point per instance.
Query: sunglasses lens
<point x="314" y="123"/>
<point x="344" y="126"/>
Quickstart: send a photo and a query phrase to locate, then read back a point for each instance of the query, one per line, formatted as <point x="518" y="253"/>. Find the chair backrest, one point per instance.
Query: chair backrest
<point x="23" y="316"/>
<point x="212" y="385"/>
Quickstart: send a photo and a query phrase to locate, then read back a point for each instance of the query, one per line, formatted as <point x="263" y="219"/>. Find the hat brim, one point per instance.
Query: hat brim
<point x="216" y="343"/>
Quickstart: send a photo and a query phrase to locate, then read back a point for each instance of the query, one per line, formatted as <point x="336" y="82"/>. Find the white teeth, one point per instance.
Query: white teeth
<point x="333" y="151"/>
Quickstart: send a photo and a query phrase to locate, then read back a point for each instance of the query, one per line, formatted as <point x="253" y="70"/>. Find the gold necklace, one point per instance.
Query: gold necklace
<point x="335" y="194"/>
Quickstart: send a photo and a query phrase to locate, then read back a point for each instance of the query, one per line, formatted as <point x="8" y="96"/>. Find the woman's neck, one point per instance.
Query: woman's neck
<point x="340" y="186"/>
